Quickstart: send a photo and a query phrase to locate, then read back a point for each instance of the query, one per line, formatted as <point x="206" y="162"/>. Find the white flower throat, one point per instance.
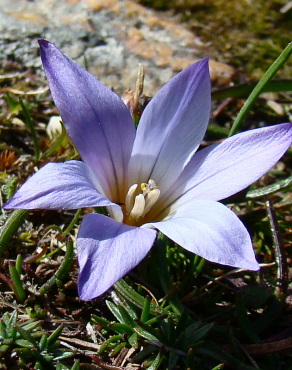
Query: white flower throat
<point x="140" y="201"/>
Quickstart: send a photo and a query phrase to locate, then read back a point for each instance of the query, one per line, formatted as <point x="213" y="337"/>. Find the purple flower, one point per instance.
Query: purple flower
<point x="150" y="179"/>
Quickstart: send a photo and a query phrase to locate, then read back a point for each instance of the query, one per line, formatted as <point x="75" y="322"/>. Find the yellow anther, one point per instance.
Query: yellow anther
<point x="146" y="188"/>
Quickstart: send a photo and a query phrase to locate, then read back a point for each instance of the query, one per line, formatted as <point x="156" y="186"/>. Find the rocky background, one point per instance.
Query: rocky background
<point x="107" y="37"/>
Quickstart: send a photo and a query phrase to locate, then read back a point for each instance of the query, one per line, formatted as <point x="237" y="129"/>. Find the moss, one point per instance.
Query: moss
<point x="246" y="34"/>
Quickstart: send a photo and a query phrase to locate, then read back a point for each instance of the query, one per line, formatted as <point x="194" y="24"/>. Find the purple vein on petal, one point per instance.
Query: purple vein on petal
<point x="221" y="170"/>
<point x="68" y="185"/>
<point x="172" y="126"/>
<point x="210" y="230"/>
<point x="95" y="118"/>
<point x="107" y="250"/>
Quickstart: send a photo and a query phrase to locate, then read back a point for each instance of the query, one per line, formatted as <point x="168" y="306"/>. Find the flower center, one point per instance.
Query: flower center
<point x="139" y="201"/>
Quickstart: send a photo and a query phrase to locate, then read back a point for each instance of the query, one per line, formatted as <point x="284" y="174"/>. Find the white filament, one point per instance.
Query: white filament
<point x="130" y="198"/>
<point x="139" y="206"/>
<point x="150" y="199"/>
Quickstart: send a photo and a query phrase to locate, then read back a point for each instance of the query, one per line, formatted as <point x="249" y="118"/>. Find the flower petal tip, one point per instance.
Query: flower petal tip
<point x="107" y="251"/>
<point x="43" y="42"/>
<point x="255" y="266"/>
<point x="84" y="295"/>
<point x="45" y="45"/>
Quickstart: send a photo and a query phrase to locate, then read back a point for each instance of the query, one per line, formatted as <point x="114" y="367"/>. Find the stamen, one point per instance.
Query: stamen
<point x="138" y="205"/>
<point x="138" y="208"/>
<point x="146" y="188"/>
<point x="150" y="199"/>
<point x="130" y="198"/>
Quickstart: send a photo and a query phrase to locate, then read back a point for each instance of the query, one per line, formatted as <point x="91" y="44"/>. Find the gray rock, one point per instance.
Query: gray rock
<point x="110" y="42"/>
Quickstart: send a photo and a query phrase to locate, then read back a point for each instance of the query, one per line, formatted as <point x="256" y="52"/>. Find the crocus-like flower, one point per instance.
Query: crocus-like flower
<point x="150" y="179"/>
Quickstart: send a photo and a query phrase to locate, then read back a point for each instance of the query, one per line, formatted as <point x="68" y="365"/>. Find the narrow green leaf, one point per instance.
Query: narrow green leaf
<point x="192" y="337"/>
<point x="26" y="335"/>
<point x="106" y="343"/>
<point x="54" y="336"/>
<point x="130" y="295"/>
<point x="56" y="144"/>
<point x="219" y="367"/>
<point x="62" y="271"/>
<point x="144" y="353"/>
<point x="244" y="322"/>
<point x="121" y="328"/>
<point x="3" y="349"/>
<point x="11" y="225"/>
<point x="65" y="355"/>
<point x="17" y="285"/>
<point x="214" y="351"/>
<point x="145" y="334"/>
<point x="243" y="90"/>
<point x="31" y="324"/>
<point x="149" y="329"/>
<point x="117" y="349"/>
<point x="131" y="309"/>
<point x="164" y="277"/>
<point x="11" y="331"/>
<point x="233" y="343"/>
<point x="183" y="322"/>
<point x="173" y="359"/>
<point x="32" y="130"/>
<point x="171" y="331"/>
<point x="127" y="319"/>
<point x="190" y="362"/>
<point x="6" y="320"/>
<point x="24" y="343"/>
<point x="270" y="189"/>
<point x="43" y="342"/>
<point x="100" y="321"/>
<point x="76" y="365"/>
<point x="72" y="223"/>
<point x="156" y="319"/>
<point x="156" y="363"/>
<point x="270" y="73"/>
<point x="146" y="309"/>
<point x="114" y="310"/>
<point x="133" y="340"/>
<point x="18" y="264"/>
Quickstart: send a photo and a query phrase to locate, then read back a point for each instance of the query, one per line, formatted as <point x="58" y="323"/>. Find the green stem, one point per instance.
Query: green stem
<point x="278" y="63"/>
<point x="11" y="225"/>
<point x="270" y="189"/>
<point x="32" y="130"/>
<point x="73" y="222"/>
<point x="243" y="90"/>
<point x="198" y="267"/>
<point x="56" y="144"/>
